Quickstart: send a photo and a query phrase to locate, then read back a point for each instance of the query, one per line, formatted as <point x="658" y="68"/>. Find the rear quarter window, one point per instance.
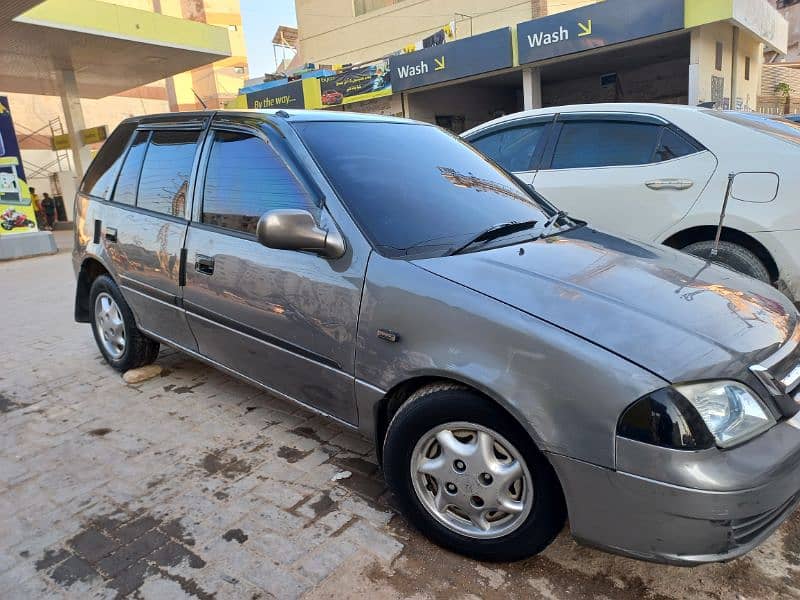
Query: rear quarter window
<point x="100" y="177"/>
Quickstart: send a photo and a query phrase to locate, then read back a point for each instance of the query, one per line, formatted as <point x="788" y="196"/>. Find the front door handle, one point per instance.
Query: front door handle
<point x="670" y="184"/>
<point x="204" y="264"/>
<point x="111" y="234"/>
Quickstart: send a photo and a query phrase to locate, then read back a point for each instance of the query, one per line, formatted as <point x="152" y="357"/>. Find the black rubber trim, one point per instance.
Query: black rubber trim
<point x="148" y="290"/>
<point x="192" y="308"/>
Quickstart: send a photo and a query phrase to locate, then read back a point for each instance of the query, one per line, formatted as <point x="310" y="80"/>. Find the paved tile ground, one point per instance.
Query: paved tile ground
<point x="194" y="485"/>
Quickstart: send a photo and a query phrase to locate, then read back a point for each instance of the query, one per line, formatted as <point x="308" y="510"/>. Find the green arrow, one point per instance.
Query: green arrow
<point x="439" y="64"/>
<point x="585" y="29"/>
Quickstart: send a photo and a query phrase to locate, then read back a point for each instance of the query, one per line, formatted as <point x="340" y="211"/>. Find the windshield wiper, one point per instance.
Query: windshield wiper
<point x="551" y="223"/>
<point x="496" y="231"/>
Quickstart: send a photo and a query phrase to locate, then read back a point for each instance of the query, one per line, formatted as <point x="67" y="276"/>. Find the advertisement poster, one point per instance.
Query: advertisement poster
<point x="16" y="213"/>
<point x="303" y="93"/>
<point x="355" y="85"/>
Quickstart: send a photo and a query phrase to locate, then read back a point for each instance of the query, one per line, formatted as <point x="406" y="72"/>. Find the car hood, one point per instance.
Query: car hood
<point x="675" y="315"/>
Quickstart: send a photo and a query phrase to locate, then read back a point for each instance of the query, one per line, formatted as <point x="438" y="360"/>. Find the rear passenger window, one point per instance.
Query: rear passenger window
<point x="128" y="179"/>
<point x="672" y="146"/>
<point x="246" y="178"/>
<point x="100" y="177"/>
<point x="167" y="168"/>
<point x="584" y="144"/>
<point x="512" y="149"/>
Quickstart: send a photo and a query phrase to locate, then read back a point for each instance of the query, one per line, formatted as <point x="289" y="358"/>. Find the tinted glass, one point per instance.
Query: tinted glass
<point x="604" y="144"/>
<point x="512" y="149"/>
<point x="246" y="178"/>
<point x="128" y="181"/>
<point x="167" y="168"/>
<point x="414" y="189"/>
<point x="672" y="146"/>
<point x="100" y="177"/>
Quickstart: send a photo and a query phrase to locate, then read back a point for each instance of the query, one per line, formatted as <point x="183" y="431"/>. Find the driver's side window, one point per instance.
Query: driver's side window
<point x="246" y="178"/>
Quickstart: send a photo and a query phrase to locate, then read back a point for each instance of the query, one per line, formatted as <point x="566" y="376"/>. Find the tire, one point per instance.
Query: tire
<point x="733" y="256"/>
<point x="511" y="537"/>
<point x="137" y="350"/>
<point x="7" y="226"/>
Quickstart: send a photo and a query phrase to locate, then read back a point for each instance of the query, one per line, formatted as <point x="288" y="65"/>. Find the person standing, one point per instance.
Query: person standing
<point x="37" y="208"/>
<point x="49" y="207"/>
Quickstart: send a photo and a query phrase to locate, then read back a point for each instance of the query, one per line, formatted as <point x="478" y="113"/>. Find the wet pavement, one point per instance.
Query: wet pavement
<point x="195" y="485"/>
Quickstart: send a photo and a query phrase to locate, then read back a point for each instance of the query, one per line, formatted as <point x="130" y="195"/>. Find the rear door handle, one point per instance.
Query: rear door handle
<point x="111" y="234"/>
<point x="670" y="184"/>
<point x="204" y="264"/>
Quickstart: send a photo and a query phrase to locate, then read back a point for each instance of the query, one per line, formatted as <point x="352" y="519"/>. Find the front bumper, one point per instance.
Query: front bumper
<point x="662" y="522"/>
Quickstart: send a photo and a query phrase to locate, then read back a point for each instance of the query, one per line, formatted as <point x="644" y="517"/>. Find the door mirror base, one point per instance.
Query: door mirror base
<point x="296" y="229"/>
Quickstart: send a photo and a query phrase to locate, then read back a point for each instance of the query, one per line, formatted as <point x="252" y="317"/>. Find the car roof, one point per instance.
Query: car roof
<point x="291" y="115"/>
<point x="648" y="108"/>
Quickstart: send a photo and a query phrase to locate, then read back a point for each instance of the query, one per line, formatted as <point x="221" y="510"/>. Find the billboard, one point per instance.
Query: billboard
<point x="16" y="213"/>
<point x="355" y="85"/>
<point x="302" y="93"/>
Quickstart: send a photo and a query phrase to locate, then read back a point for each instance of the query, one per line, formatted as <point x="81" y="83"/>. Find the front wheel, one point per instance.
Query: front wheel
<point x="121" y="343"/>
<point x="469" y="477"/>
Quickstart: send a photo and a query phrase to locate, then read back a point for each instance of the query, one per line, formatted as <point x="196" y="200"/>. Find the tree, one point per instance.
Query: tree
<point x="785" y="91"/>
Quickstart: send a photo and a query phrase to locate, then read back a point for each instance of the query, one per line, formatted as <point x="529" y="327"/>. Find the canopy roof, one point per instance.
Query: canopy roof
<point x="110" y="48"/>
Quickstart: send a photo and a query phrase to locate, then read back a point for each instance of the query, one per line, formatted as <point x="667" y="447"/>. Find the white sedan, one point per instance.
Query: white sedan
<point x="660" y="172"/>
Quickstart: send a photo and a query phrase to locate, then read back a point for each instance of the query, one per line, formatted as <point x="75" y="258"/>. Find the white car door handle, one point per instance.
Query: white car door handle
<point x="670" y="184"/>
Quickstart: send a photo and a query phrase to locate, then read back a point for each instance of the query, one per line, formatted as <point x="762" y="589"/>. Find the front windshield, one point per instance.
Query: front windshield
<point x="776" y="127"/>
<point x="414" y="189"/>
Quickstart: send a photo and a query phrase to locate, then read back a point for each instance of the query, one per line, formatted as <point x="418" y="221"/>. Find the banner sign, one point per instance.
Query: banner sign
<point x="595" y="26"/>
<point x="16" y="213"/>
<point x="471" y="56"/>
<point x="289" y="95"/>
<point x="355" y="85"/>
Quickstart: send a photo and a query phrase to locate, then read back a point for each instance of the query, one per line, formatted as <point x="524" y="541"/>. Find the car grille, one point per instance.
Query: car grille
<point x="746" y="530"/>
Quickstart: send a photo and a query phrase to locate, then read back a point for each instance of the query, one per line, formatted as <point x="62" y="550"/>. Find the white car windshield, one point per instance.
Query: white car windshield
<point x="774" y="126"/>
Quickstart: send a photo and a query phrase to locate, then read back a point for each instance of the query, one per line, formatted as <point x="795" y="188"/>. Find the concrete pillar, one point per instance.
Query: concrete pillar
<point x="735" y="67"/>
<point x="73" y="114"/>
<point x="532" y="88"/>
<point x="694" y="68"/>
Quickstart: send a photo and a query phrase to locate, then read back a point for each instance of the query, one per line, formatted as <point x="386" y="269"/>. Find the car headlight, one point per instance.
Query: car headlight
<point x="696" y="416"/>
<point x="731" y="411"/>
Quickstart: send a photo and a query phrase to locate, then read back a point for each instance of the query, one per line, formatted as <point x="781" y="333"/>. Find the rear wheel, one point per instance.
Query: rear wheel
<point x="121" y="343"/>
<point x="733" y="256"/>
<point x="469" y="477"/>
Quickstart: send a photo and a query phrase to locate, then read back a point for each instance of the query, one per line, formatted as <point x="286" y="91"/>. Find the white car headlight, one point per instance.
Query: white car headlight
<point x="731" y="411"/>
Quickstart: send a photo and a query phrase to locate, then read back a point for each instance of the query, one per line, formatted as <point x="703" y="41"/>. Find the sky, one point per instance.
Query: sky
<point x="260" y="19"/>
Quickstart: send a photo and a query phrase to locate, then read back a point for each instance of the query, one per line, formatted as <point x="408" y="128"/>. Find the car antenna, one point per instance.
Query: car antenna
<point x="199" y="99"/>
<point x="282" y="114"/>
<point x="715" y="249"/>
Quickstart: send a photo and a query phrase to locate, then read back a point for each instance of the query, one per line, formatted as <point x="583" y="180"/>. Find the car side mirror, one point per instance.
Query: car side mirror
<point x="296" y="229"/>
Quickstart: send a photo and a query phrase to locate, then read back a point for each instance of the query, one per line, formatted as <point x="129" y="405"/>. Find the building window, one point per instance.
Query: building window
<point x="238" y="70"/>
<point x="747" y="68"/>
<point x="361" y="7"/>
<point x="718" y="61"/>
<point x="233" y="28"/>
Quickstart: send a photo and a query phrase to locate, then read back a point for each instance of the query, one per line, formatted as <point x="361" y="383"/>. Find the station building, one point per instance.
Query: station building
<point x="500" y="56"/>
<point x="88" y="64"/>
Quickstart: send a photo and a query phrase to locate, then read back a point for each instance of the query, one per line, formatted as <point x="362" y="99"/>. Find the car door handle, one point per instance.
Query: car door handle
<point x="111" y="234"/>
<point x="204" y="264"/>
<point x="670" y="184"/>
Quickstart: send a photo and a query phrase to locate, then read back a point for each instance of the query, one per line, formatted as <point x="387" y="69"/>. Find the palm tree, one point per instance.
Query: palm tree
<point x="785" y="91"/>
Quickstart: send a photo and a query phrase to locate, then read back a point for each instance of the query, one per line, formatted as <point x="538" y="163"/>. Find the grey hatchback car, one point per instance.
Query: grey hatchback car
<point x="515" y="367"/>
